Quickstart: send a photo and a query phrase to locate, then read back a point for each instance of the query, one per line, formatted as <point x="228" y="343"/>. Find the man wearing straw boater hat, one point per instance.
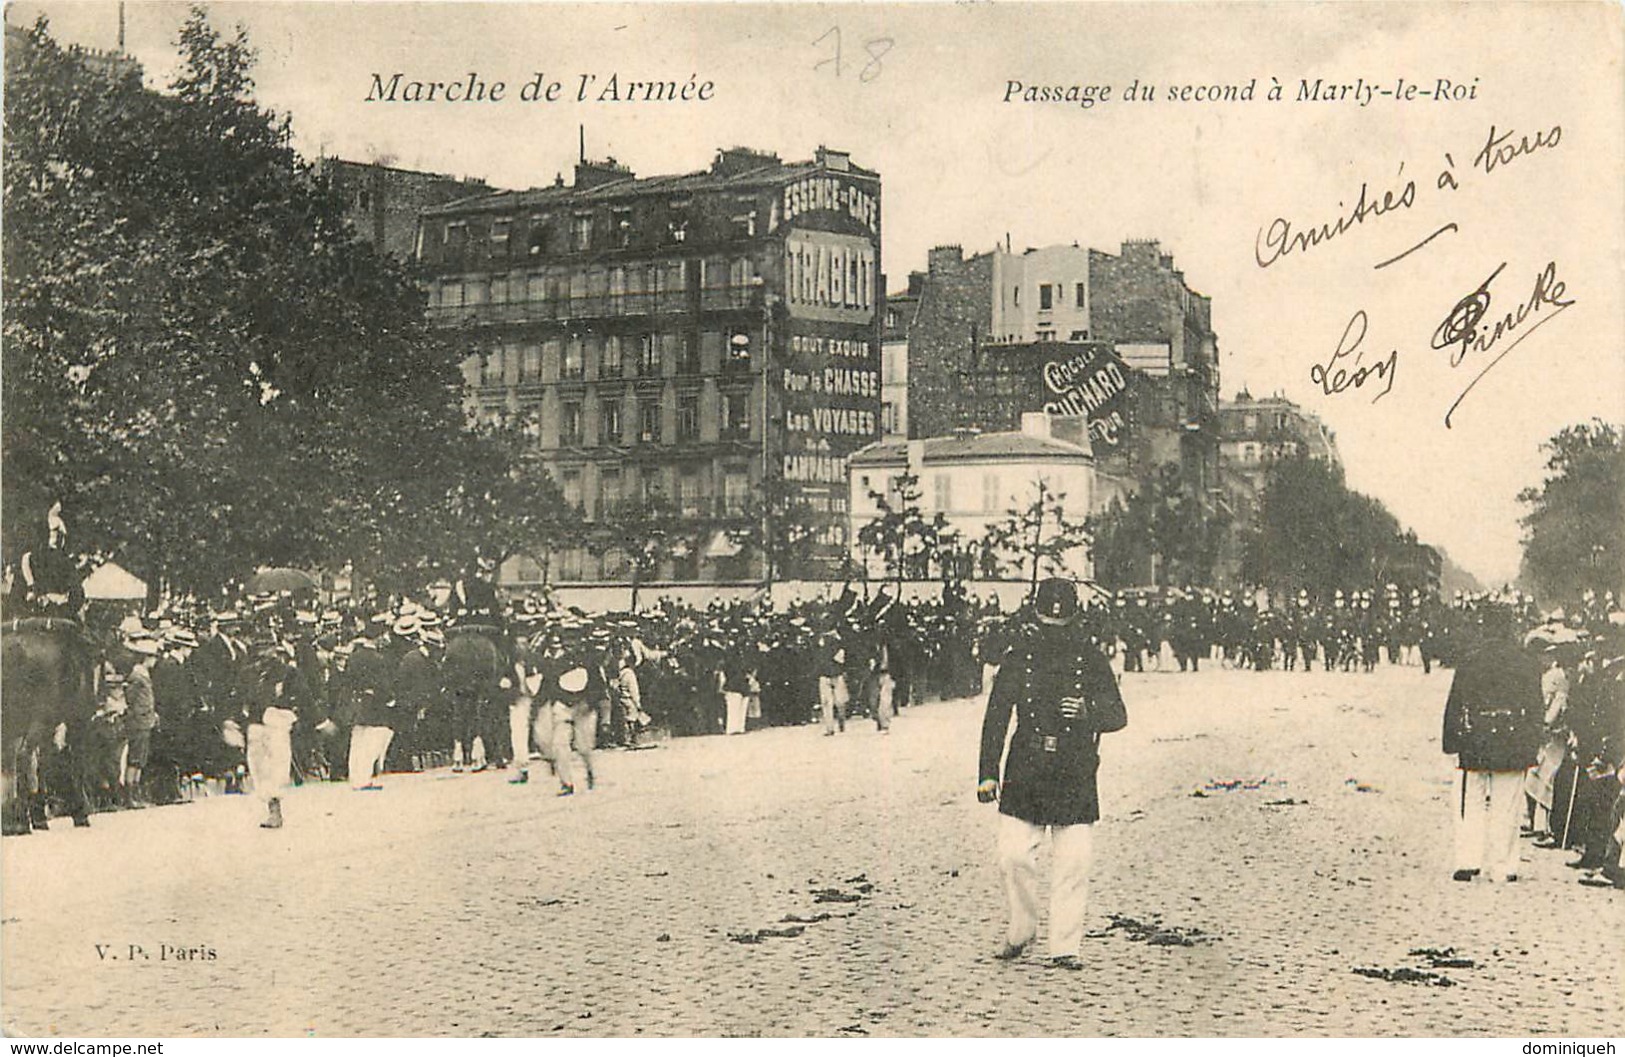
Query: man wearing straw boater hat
<point x="1061" y="689"/>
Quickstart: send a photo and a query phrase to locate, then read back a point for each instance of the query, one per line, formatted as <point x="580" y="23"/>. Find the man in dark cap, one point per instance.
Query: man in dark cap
<point x="1061" y="689"/>
<point x="1492" y="722"/>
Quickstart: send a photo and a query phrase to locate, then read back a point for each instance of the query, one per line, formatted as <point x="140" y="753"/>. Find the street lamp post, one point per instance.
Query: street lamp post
<point x="768" y="301"/>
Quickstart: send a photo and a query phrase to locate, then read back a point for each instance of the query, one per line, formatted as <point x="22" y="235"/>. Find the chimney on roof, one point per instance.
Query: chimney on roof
<point x="1035" y="424"/>
<point x="833" y="160"/>
<point x="731" y="161"/>
<point x="942" y="258"/>
<point x="593" y="173"/>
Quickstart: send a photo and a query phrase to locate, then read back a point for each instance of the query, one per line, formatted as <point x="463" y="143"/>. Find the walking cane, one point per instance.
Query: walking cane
<point x="1568" y="818"/>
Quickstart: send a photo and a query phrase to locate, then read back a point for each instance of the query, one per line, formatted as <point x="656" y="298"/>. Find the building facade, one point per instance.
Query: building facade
<point x="899" y="317"/>
<point x="1256" y="433"/>
<point x="384" y="202"/>
<point x="988" y="327"/>
<point x="974" y="480"/>
<point x="676" y="343"/>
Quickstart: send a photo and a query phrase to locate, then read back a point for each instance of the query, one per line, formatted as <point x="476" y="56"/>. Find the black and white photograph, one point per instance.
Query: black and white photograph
<point x="808" y="520"/>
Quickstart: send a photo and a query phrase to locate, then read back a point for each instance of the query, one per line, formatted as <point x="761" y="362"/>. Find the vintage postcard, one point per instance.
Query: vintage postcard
<point x="813" y="520"/>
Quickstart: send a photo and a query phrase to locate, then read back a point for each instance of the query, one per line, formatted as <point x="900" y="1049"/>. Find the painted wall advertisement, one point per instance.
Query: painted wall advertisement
<point x="1091" y="381"/>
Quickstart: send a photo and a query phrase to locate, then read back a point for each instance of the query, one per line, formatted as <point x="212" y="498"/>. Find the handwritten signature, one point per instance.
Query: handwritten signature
<point x="1467" y="333"/>
<point x="1333" y="378"/>
<point x="1464" y="332"/>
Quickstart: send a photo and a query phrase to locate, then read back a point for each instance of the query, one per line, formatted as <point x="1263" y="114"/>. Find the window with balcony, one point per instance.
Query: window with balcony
<point x="570" y="483"/>
<point x="573" y="367"/>
<point x="621" y="227"/>
<point x="501" y="229"/>
<point x="688" y="354"/>
<point x="737" y="356"/>
<point x="536" y="238"/>
<point x="570" y="432"/>
<point x="671" y="284"/>
<point x="649" y="365"/>
<point x="688" y="418"/>
<point x="611" y="365"/>
<point x="494" y="367"/>
<point x="649" y="422"/>
<point x="735" y="492"/>
<point x="736" y="415"/>
<point x="609" y="422"/>
<point x="581" y="231"/>
<point x="609" y="492"/>
<point x="530" y="364"/>
<point x="689" y="492"/>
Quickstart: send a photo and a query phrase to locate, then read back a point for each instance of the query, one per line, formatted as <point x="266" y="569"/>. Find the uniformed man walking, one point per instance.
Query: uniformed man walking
<point x="1492" y="723"/>
<point x="1061" y="689"/>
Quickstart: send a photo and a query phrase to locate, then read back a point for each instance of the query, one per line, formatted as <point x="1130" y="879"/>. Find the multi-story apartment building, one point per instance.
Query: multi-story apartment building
<point x="384" y="202"/>
<point x="676" y="341"/>
<point x="999" y="334"/>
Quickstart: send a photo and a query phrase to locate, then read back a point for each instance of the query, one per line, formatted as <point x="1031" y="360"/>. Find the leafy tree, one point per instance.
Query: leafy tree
<point x="777" y="524"/>
<point x="1036" y="539"/>
<point x="200" y="358"/>
<point x="906" y="541"/>
<point x="1574" y="532"/>
<point x="1314" y="533"/>
<point x="1160" y="524"/>
<point x="645" y="535"/>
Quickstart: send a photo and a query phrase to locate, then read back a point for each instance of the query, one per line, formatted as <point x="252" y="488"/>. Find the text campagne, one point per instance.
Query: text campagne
<point x="575" y="88"/>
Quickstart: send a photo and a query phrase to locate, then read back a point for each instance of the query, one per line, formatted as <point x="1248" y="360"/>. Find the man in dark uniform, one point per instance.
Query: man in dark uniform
<point x="1493" y="722"/>
<point x="1060" y="687"/>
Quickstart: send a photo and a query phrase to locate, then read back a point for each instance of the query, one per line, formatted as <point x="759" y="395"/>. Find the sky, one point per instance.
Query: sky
<point x="921" y="92"/>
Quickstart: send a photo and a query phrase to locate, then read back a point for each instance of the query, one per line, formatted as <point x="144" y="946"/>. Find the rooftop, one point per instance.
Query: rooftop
<point x="734" y="169"/>
<point x="1011" y="446"/>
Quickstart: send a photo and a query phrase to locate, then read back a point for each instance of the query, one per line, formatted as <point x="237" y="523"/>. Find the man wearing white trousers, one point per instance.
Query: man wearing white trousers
<point x="370" y="676"/>
<point x="1063" y="695"/>
<point x="1492" y="723"/>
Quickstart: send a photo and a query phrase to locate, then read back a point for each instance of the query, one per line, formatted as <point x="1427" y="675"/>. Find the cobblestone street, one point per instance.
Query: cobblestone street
<point x="1272" y="833"/>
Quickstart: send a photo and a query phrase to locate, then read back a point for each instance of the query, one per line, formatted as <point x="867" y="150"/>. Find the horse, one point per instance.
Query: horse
<point x="47" y="681"/>
<point x="472" y="671"/>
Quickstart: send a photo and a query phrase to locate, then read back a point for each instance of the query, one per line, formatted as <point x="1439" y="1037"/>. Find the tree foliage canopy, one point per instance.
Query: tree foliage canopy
<point x="1314" y="533"/>
<point x="1574" y="532"/>
<point x="201" y="359"/>
<point x="1161" y="520"/>
<point x="1034" y="540"/>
